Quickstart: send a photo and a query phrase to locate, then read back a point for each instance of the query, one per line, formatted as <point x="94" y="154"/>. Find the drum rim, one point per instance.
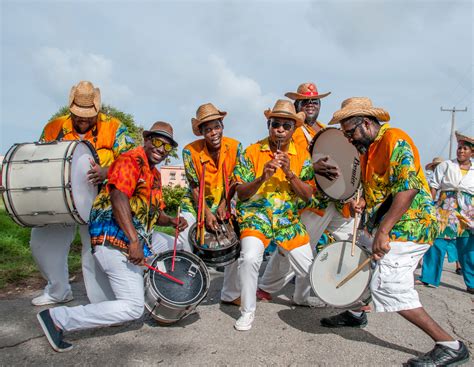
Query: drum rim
<point x="367" y="286"/>
<point x="195" y="245"/>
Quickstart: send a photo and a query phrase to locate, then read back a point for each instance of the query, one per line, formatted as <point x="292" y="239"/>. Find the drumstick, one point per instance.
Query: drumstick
<point x="356" y="224"/>
<point x="176" y="234"/>
<point x="170" y="277"/>
<point x="353" y="273"/>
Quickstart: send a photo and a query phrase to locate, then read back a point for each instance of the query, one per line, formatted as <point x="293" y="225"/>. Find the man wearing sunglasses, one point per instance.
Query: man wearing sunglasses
<point x="122" y="218"/>
<point x="273" y="176"/>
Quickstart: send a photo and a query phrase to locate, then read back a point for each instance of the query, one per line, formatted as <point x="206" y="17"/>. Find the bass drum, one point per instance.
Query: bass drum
<point x="220" y="248"/>
<point x="46" y="183"/>
<point x="167" y="301"/>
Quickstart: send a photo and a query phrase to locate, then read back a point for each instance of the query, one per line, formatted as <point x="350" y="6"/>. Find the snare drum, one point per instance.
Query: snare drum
<point x="220" y="248"/>
<point x="167" y="301"/>
<point x="331" y="142"/>
<point x="46" y="183"/>
<point x="331" y="266"/>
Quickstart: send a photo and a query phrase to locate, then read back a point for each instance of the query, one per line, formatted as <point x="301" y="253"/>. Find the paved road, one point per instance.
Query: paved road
<point x="281" y="335"/>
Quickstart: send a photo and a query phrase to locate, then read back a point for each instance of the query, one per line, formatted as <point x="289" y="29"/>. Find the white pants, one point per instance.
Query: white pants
<point x="162" y="242"/>
<point x="50" y="248"/>
<point x="126" y="280"/>
<point x="251" y="255"/>
<point x="278" y="272"/>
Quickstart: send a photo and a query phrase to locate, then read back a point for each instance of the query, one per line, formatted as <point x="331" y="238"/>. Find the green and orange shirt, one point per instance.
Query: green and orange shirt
<point x="132" y="175"/>
<point x="195" y="156"/>
<point x="109" y="137"/>
<point x="392" y="165"/>
<point x="272" y="213"/>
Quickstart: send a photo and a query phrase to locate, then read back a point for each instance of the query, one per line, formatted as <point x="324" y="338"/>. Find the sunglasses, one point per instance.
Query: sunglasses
<point x="286" y="125"/>
<point x="157" y="143"/>
<point x="350" y="133"/>
<point x="305" y="102"/>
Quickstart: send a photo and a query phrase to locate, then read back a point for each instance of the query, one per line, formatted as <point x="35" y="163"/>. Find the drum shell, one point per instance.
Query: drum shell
<point x="164" y="311"/>
<point x="40" y="185"/>
<point x="215" y="257"/>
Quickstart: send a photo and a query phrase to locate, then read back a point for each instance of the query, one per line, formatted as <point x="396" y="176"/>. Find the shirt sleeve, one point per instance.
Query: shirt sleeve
<point x="189" y="169"/>
<point x="438" y="174"/>
<point x="244" y="170"/>
<point x="123" y="174"/>
<point x="403" y="175"/>
<point x="123" y="141"/>
<point x="237" y="160"/>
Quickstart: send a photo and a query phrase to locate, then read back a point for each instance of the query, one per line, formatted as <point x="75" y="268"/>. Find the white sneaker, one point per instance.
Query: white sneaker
<point x="313" y="302"/>
<point x="45" y="299"/>
<point x="244" y="322"/>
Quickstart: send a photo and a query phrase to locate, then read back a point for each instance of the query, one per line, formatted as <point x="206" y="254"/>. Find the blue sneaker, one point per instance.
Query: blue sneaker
<point x="54" y="336"/>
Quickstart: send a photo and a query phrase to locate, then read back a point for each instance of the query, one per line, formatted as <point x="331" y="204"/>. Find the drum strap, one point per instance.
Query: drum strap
<point x="306" y="133"/>
<point x="201" y="199"/>
<point x="226" y="186"/>
<point x="383" y="209"/>
<point x="60" y="135"/>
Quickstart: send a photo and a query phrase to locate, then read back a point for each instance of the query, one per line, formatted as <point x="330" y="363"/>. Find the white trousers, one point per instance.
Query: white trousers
<point x="279" y="272"/>
<point x="126" y="281"/>
<point x="162" y="242"/>
<point x="50" y="248"/>
<point x="298" y="260"/>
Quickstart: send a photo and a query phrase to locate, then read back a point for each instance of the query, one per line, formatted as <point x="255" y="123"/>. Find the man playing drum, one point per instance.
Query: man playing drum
<point x="273" y="175"/>
<point x="122" y="217"/>
<point x="50" y="244"/>
<point x="401" y="216"/>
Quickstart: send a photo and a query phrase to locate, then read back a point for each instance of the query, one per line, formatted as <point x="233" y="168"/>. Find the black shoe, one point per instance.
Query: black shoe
<point x="459" y="271"/>
<point x="442" y="356"/>
<point x="54" y="336"/>
<point x="345" y="319"/>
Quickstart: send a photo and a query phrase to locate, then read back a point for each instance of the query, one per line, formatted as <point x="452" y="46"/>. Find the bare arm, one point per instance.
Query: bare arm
<point x="433" y="193"/>
<point x="302" y="189"/>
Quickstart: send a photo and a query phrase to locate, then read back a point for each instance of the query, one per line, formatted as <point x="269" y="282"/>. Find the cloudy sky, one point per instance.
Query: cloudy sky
<point x="159" y="60"/>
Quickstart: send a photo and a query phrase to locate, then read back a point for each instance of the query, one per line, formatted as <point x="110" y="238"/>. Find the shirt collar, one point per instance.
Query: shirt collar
<point x="204" y="155"/>
<point x="382" y="131"/>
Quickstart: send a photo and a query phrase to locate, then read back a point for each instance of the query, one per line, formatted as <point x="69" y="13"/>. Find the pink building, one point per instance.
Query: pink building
<point x="173" y="175"/>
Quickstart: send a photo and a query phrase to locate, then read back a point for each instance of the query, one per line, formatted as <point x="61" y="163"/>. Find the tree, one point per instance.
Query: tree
<point x="172" y="197"/>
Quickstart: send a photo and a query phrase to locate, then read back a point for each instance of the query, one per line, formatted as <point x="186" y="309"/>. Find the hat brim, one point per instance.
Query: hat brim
<point x="83" y="111"/>
<point x="461" y="137"/>
<point x="148" y="133"/>
<point x="379" y="113"/>
<point x="296" y="96"/>
<point x="430" y="166"/>
<point x="298" y="118"/>
<point x="196" y="124"/>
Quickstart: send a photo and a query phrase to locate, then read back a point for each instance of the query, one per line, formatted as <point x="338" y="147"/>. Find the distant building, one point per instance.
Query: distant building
<point x="173" y="175"/>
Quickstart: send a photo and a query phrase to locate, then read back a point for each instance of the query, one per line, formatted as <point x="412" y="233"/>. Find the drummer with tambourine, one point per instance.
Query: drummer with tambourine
<point x="209" y="164"/>
<point x="402" y="219"/>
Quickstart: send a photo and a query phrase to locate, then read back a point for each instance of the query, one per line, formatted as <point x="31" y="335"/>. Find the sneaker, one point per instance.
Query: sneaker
<point x="244" y="322"/>
<point x="345" y="319"/>
<point x="441" y="355"/>
<point x="263" y="296"/>
<point x="52" y="333"/>
<point x="313" y="302"/>
<point x="235" y="302"/>
<point x="45" y="299"/>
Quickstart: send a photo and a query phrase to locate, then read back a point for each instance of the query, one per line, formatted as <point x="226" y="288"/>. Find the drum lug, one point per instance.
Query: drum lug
<point x="31" y="188"/>
<point x="34" y="214"/>
<point x="3" y="189"/>
<point x="69" y="159"/>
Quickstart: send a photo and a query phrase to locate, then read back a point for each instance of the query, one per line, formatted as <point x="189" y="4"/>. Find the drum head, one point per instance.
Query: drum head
<point x="331" y="266"/>
<point x="189" y="269"/>
<point x="342" y="154"/>
<point x="83" y="192"/>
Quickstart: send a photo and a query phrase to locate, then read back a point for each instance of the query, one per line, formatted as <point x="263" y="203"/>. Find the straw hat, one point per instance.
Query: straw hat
<point x="359" y="106"/>
<point x="286" y="109"/>
<point x="436" y="160"/>
<point x="306" y="91"/>
<point x="206" y="112"/>
<point x="161" y="128"/>
<point x="461" y="137"/>
<point x="84" y="100"/>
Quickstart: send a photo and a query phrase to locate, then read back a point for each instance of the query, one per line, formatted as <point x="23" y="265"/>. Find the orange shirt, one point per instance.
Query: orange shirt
<point x="300" y="138"/>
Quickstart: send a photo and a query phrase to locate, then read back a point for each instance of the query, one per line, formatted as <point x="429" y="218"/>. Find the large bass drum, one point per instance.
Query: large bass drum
<point x="46" y="183"/>
<point x="331" y="142"/>
<point x="167" y="301"/>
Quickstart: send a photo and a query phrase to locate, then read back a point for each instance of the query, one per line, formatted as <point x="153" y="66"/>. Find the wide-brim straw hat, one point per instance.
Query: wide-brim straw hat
<point x="461" y="137"/>
<point x="286" y="109"/>
<point x="161" y="128"/>
<point x="306" y="91"/>
<point x="436" y="160"/>
<point x="206" y="112"/>
<point x="84" y="100"/>
<point x="359" y="106"/>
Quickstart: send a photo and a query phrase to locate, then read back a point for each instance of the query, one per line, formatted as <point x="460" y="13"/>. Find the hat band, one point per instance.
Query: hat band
<point x="285" y="113"/>
<point x="211" y="115"/>
<point x="161" y="132"/>
<point x="310" y="94"/>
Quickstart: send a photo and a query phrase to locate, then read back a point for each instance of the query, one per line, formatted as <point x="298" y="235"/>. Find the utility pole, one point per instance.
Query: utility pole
<point x="451" y="135"/>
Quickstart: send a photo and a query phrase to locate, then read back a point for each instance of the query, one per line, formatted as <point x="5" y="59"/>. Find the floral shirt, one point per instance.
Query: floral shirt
<point x="132" y="175"/>
<point x="392" y="165"/>
<point x="195" y="155"/>
<point x="109" y="137"/>
<point x="272" y="213"/>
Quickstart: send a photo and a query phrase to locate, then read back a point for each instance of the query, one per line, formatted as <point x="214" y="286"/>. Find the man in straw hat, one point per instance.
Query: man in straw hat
<point x="211" y="159"/>
<point x="430" y="167"/>
<point x="122" y="218"/>
<point x="50" y="244"/>
<point x="273" y="175"/>
<point x="401" y="216"/>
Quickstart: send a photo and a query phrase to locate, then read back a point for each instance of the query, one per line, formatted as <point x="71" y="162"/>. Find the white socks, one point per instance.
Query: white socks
<point x="453" y="345"/>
